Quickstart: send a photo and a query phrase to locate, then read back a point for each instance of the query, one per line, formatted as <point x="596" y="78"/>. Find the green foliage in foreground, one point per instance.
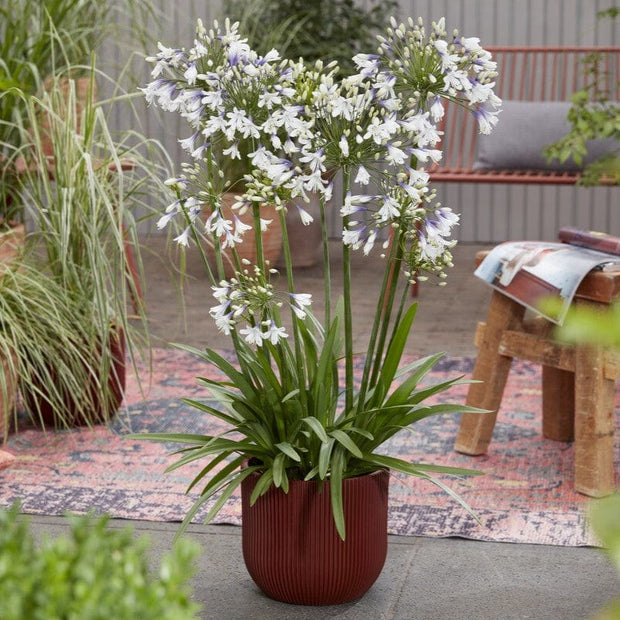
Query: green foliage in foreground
<point x="585" y="324"/>
<point x="94" y="572"/>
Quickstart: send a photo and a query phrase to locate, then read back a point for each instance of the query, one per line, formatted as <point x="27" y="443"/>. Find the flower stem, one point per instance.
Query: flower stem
<point x="386" y="299"/>
<point x="288" y="262"/>
<point x="381" y="316"/>
<point x="348" y="313"/>
<point x="219" y="262"/>
<point x="258" y="237"/>
<point x="327" y="279"/>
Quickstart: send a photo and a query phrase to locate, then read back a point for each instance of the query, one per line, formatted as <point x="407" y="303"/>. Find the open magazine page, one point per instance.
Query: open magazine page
<point x="529" y="271"/>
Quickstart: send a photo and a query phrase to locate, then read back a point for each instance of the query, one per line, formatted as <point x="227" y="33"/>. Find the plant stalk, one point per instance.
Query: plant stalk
<point x="348" y="311"/>
<point x="327" y="274"/>
<point x="381" y="317"/>
<point x="299" y="365"/>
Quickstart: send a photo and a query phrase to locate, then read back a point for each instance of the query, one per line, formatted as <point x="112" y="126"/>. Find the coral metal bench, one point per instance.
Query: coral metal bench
<point x="525" y="74"/>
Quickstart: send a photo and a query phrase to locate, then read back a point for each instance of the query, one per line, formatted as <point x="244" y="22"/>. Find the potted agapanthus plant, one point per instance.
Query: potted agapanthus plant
<point x="296" y="432"/>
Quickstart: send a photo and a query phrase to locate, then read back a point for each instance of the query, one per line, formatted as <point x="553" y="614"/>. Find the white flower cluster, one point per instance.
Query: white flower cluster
<point x="429" y="69"/>
<point x="240" y="106"/>
<point x="250" y="299"/>
<point x="290" y="124"/>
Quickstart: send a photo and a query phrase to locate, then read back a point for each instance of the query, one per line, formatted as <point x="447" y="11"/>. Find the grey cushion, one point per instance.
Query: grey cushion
<point x="524" y="128"/>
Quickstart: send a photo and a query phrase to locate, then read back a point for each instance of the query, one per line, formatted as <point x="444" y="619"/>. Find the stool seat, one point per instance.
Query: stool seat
<point x="578" y="382"/>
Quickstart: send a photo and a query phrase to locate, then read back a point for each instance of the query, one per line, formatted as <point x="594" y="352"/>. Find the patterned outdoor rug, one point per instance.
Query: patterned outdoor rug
<point x="526" y="495"/>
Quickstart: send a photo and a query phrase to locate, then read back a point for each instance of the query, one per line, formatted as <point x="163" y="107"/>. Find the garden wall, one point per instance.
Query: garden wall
<point x="490" y="213"/>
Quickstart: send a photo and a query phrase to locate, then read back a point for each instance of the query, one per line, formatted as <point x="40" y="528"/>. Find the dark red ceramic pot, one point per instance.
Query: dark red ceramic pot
<point x="291" y="547"/>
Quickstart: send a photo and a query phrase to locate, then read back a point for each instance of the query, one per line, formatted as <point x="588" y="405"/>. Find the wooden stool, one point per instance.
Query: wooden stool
<point x="577" y="382"/>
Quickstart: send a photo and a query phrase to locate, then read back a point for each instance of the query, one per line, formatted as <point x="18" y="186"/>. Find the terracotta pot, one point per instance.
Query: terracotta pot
<point x="272" y="237"/>
<point x="304" y="240"/>
<point x="7" y="397"/>
<point x="43" y="411"/>
<point x="11" y="244"/>
<point x="291" y="547"/>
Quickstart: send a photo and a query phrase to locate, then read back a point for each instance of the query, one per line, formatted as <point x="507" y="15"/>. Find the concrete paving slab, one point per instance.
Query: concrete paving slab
<point x="423" y="579"/>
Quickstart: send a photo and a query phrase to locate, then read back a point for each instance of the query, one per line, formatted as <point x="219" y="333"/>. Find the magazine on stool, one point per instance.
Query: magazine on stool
<point x="531" y="271"/>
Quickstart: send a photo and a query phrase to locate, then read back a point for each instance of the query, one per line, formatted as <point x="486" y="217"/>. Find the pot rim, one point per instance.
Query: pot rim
<point x="377" y="471"/>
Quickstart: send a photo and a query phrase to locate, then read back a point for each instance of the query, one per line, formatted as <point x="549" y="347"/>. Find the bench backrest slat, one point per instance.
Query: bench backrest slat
<point x="524" y="74"/>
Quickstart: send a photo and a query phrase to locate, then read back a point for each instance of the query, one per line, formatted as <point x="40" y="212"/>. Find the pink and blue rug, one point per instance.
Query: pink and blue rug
<point x="526" y="494"/>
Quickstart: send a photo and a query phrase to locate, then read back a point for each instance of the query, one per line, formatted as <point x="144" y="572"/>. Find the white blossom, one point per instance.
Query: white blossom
<point x="306" y="218"/>
<point x="395" y="155"/>
<point x="362" y="177"/>
<point x="390" y="209"/>
<point x="487" y="119"/>
<point x="183" y="238"/>
<point x="352" y="238"/>
<point x="274" y="333"/>
<point x="252" y="335"/>
<point x="164" y="220"/>
<point x="191" y="73"/>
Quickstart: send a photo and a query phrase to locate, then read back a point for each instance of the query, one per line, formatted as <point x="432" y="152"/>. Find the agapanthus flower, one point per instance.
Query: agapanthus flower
<point x="183" y="238"/>
<point x="363" y="176"/>
<point x="354" y="203"/>
<point x="299" y="303"/>
<point x="368" y="64"/>
<point x="389" y="210"/>
<point x="306" y="218"/>
<point x="487" y="119"/>
<point x="288" y="124"/>
<point x="395" y="155"/>
<point x="274" y="333"/>
<point x="252" y="334"/>
<point x="408" y="58"/>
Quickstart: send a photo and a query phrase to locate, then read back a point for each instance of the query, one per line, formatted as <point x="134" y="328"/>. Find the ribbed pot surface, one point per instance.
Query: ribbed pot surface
<point x="291" y="547"/>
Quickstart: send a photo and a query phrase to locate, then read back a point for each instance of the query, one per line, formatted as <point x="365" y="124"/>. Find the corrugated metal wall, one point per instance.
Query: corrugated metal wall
<point x="490" y="213"/>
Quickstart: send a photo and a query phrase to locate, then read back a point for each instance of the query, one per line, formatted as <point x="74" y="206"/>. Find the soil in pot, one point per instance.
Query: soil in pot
<point x="291" y="547"/>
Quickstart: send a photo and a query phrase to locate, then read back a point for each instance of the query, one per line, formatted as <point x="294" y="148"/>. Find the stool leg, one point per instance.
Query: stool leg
<point x="594" y="423"/>
<point x="558" y="404"/>
<point x="491" y="369"/>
